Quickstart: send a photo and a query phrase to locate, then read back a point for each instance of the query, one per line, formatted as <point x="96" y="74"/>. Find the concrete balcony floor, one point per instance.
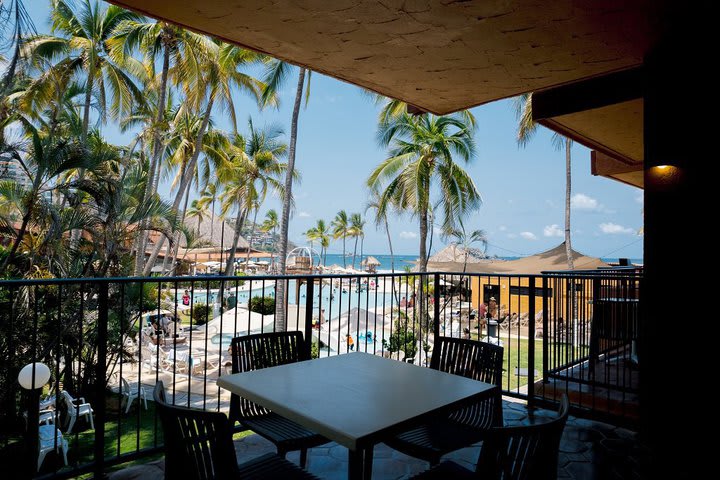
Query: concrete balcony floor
<point x="588" y="450"/>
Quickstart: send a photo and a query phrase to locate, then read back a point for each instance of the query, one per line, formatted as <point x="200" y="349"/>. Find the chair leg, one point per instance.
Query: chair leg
<point x="92" y="423"/>
<point x="130" y="399"/>
<point x="144" y="401"/>
<point x="65" y="449"/>
<point x="41" y="459"/>
<point x="72" y="424"/>
<point x="303" y="457"/>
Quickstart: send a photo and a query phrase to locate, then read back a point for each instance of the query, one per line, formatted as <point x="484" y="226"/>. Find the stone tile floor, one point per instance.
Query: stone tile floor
<point x="588" y="450"/>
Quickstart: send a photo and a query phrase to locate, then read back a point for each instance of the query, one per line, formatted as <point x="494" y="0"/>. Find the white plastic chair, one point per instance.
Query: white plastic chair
<point x="132" y="394"/>
<point x="77" y="408"/>
<point x="51" y="438"/>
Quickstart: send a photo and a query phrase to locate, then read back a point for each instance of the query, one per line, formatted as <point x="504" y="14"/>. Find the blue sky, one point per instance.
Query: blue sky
<point x="523" y="188"/>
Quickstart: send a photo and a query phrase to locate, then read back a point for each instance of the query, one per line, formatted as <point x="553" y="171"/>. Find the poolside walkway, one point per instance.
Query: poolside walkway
<point x="588" y="450"/>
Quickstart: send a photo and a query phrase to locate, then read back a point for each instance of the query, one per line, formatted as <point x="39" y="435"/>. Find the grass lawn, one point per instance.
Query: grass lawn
<point x="516" y="355"/>
<point x="136" y="431"/>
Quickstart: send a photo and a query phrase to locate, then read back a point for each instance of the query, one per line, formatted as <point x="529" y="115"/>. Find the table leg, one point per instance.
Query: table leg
<point x="360" y="464"/>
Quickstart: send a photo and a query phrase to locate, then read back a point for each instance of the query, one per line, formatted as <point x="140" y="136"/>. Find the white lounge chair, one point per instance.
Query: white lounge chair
<point x="132" y="393"/>
<point x="51" y="438"/>
<point x="77" y="408"/>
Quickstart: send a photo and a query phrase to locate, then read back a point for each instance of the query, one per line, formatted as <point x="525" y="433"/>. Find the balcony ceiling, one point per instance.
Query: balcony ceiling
<point x="443" y="55"/>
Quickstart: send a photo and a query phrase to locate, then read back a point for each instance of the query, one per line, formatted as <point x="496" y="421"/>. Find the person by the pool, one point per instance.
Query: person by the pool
<point x="186" y="298"/>
<point x="351" y="343"/>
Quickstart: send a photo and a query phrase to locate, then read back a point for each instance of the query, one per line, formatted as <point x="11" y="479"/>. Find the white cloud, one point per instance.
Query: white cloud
<point x="528" y="235"/>
<point x="580" y="201"/>
<point x="553" y="230"/>
<point x="512" y="235"/>
<point x="502" y="228"/>
<point x="550" y="203"/>
<point x="408" y="235"/>
<point x="303" y="215"/>
<point x="583" y="202"/>
<point x="640" y="198"/>
<point x="614" y="228"/>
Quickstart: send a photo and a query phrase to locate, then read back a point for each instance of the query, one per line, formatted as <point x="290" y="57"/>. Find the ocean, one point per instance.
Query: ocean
<point x="401" y="261"/>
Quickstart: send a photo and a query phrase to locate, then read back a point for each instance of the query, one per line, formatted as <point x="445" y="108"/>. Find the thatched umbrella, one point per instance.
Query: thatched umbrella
<point x="371" y="263"/>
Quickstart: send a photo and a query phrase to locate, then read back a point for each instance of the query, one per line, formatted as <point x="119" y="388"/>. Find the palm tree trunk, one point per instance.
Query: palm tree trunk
<point x="184" y="184"/>
<point x="423" y="240"/>
<point x="174" y="255"/>
<point x="18" y="238"/>
<point x="212" y="219"/>
<point x="392" y="256"/>
<point x="239" y="221"/>
<point x="354" y="252"/>
<point x="151" y="187"/>
<point x="568" y="187"/>
<point x="344" y="261"/>
<point x="86" y="107"/>
<point x="281" y="286"/>
<point x="362" y="245"/>
<point x="252" y="234"/>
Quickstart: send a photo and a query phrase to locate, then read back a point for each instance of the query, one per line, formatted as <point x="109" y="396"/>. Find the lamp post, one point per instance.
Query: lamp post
<point x="33" y="377"/>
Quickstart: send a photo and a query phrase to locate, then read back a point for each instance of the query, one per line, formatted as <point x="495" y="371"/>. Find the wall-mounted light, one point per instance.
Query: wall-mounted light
<point x="30" y="382"/>
<point x="663" y="176"/>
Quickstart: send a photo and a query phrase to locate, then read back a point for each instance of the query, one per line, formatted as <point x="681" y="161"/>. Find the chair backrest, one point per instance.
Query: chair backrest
<point x="479" y="361"/>
<point x="68" y="400"/>
<point x="198" y="444"/>
<point x="525" y="452"/>
<point x="258" y="351"/>
<point x="124" y="386"/>
<point x="469" y="358"/>
<point x="263" y="350"/>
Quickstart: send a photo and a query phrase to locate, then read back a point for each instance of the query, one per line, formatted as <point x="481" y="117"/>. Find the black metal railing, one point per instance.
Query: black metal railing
<point x="564" y="331"/>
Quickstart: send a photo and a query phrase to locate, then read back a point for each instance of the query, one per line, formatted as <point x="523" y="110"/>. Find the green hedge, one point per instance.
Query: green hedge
<point x="201" y="313"/>
<point x="262" y="305"/>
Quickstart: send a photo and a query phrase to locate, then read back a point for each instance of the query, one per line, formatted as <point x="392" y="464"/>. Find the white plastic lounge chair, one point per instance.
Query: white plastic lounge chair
<point x="132" y="393"/>
<point x="77" y="408"/>
<point x="47" y="439"/>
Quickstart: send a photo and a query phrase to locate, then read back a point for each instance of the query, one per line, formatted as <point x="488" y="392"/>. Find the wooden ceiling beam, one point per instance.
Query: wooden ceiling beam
<point x="588" y="94"/>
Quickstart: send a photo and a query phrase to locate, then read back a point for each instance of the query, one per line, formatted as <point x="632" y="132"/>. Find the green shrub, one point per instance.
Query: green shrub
<point x="403" y="338"/>
<point x="201" y="313"/>
<point x="314" y="350"/>
<point x="262" y="305"/>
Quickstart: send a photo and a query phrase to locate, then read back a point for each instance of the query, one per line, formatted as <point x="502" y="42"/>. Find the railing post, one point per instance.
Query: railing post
<point x="100" y="369"/>
<point x="546" y="331"/>
<point x="436" y="308"/>
<point x="531" y="341"/>
<point x="310" y="295"/>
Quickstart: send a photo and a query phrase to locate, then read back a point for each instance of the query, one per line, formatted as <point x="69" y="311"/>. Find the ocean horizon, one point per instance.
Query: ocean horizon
<point x="401" y="261"/>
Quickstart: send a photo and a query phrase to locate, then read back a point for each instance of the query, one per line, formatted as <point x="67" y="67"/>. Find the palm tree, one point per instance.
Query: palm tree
<point x="526" y="129"/>
<point x="15" y="21"/>
<point x="251" y="168"/>
<point x="422" y="151"/>
<point x="381" y="221"/>
<point x="356" y="231"/>
<point x="275" y="76"/>
<point x="221" y="75"/>
<point x="271" y="222"/>
<point x="199" y="211"/>
<point x="177" y="46"/>
<point x="321" y="233"/>
<point x="83" y="48"/>
<point x="42" y="161"/>
<point x="311" y="235"/>
<point x="466" y="240"/>
<point x="340" y="229"/>
<point x="208" y="198"/>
